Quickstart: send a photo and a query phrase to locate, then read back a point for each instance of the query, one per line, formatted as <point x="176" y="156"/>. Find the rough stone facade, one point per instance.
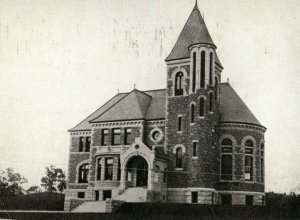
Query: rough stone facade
<point x="193" y="142"/>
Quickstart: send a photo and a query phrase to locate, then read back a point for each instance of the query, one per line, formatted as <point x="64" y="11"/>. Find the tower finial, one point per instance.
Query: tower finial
<point x="196" y="4"/>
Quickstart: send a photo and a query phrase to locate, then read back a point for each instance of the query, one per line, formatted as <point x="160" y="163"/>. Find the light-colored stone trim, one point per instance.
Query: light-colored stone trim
<point x="180" y="62"/>
<point x="179" y="146"/>
<point x="81" y="133"/>
<point x="160" y="137"/>
<point x="88" y="161"/>
<point x="249" y="138"/>
<point x="242" y="192"/>
<point x="228" y="125"/>
<point x="117" y="123"/>
<point x="158" y="122"/>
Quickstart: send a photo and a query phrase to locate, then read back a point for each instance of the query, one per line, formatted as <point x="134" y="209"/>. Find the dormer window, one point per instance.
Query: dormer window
<point x="179" y="84"/>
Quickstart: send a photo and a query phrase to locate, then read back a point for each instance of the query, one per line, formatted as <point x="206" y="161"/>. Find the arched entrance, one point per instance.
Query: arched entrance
<point x="137" y="172"/>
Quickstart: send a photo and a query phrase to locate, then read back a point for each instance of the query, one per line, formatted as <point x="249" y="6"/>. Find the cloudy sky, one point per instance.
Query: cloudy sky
<point x="61" y="60"/>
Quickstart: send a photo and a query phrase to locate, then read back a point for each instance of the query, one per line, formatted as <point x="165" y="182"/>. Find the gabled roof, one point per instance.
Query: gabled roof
<point x="132" y="106"/>
<point x="233" y="109"/>
<point x="194" y="32"/>
<point x="33" y="188"/>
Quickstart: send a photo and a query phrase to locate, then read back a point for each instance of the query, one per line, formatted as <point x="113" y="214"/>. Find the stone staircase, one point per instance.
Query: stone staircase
<point x="91" y="206"/>
<point x="137" y="194"/>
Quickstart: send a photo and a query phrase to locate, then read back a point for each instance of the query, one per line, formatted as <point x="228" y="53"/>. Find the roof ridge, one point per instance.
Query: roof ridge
<point x="153" y="90"/>
<point x="94" y="111"/>
<point x="143" y="93"/>
<point x="90" y="121"/>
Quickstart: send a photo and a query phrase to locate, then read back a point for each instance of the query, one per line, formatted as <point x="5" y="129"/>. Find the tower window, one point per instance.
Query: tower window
<point x="201" y="107"/>
<point x="165" y="175"/>
<point x="195" y="146"/>
<point x="210" y="68"/>
<point x="104" y="137"/>
<point x="116" y="136"/>
<point x="128" y="136"/>
<point x="109" y="168"/>
<point x="192" y="113"/>
<point x="179" y="123"/>
<point x="211" y="97"/>
<point x="83" y="173"/>
<point x="194" y="72"/>
<point x="262" y="168"/>
<point x="226" y="167"/>
<point x="248" y="168"/>
<point x="179" y="157"/>
<point x="249" y="147"/>
<point x="216" y="88"/>
<point x="202" y="77"/>
<point x="179" y="84"/>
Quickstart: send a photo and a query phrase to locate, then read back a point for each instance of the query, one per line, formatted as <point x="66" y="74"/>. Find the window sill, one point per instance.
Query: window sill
<point x="194" y="157"/>
<point x="211" y="113"/>
<point x="179" y="132"/>
<point x="192" y="123"/>
<point x="179" y="169"/>
<point x="201" y="117"/>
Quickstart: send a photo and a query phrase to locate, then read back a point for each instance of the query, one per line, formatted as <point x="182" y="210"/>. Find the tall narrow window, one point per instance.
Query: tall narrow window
<point x="194" y="72"/>
<point x="179" y="123"/>
<point x="81" y="144"/>
<point x="192" y="113"/>
<point x="108" y="169"/>
<point x="216" y="88"/>
<point x="83" y="173"/>
<point x="211" y="97"/>
<point x="202" y="78"/>
<point x="248" y="168"/>
<point x="165" y="175"/>
<point x="194" y="197"/>
<point x="211" y="68"/>
<point x="262" y="162"/>
<point x="201" y="107"/>
<point x="195" y="146"/>
<point x="119" y="169"/>
<point x="179" y="84"/>
<point x="226" y="159"/>
<point x="99" y="169"/>
<point x="104" y="137"/>
<point x="116" y="136"/>
<point x="87" y="144"/>
<point x="127" y="137"/>
<point x="179" y="158"/>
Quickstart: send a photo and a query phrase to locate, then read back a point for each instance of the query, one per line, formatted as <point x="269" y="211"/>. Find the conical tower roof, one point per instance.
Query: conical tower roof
<point x="194" y="32"/>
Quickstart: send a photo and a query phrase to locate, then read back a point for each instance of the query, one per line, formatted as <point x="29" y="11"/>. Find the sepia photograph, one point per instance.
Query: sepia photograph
<point x="161" y="109"/>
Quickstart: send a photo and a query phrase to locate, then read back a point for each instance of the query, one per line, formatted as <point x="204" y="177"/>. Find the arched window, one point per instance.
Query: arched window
<point x="211" y="97"/>
<point x="262" y="162"/>
<point x="249" y="143"/>
<point x="179" y="84"/>
<point x="210" y="68"/>
<point x="202" y="72"/>
<point x="192" y="113"/>
<point x="216" y="88"/>
<point x="226" y="159"/>
<point x="194" y="72"/>
<point x="83" y="173"/>
<point x="179" y="157"/>
<point x="201" y="107"/>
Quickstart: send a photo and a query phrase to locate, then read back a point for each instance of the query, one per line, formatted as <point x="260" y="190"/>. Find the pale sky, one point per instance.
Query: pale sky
<point x="61" y="60"/>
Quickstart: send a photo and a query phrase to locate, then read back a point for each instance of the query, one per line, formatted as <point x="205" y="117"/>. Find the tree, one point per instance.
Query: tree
<point x="55" y="177"/>
<point x="10" y="182"/>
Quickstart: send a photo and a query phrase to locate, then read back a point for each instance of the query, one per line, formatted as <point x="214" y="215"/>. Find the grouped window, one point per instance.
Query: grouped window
<point x="202" y="70"/>
<point x="226" y="159"/>
<point x="179" y="84"/>
<point x="194" y="72"/>
<point x="262" y="162"/>
<point x="179" y="157"/>
<point x="104" y="137"/>
<point x="211" y="68"/>
<point x="108" y="175"/>
<point x="249" y="160"/>
<point x="83" y="173"/>
<point x="84" y="144"/>
<point x="127" y="136"/>
<point x="116" y="136"/>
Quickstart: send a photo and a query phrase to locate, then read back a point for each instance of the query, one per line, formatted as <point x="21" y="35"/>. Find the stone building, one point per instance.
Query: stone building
<point x="193" y="142"/>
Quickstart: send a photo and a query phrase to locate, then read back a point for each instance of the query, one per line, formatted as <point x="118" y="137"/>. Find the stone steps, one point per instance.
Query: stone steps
<point x="91" y="206"/>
